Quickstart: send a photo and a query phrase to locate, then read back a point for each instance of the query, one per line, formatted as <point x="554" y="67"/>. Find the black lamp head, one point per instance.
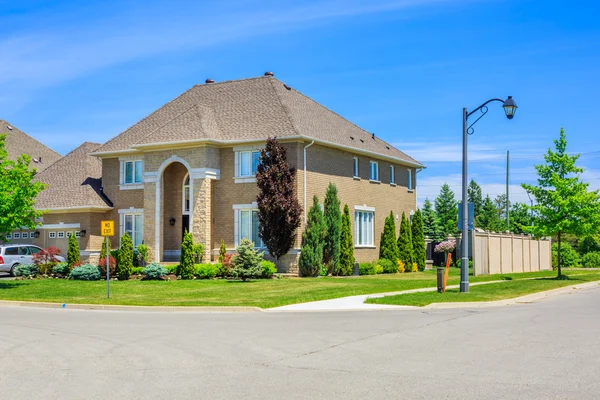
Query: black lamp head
<point x="510" y="107"/>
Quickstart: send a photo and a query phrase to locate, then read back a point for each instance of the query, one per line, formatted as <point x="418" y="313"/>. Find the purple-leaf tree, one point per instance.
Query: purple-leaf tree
<point x="278" y="207"/>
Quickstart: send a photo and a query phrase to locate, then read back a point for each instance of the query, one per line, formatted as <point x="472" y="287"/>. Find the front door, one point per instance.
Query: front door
<point x="185" y="219"/>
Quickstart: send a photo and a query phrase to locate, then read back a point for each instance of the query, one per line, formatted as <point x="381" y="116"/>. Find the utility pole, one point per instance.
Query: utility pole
<point x="507" y="182"/>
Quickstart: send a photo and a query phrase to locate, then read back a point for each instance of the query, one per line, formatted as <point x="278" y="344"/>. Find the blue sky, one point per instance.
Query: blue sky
<point x="73" y="71"/>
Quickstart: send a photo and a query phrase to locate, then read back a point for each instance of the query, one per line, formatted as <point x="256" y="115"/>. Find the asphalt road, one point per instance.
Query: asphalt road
<point x="546" y="350"/>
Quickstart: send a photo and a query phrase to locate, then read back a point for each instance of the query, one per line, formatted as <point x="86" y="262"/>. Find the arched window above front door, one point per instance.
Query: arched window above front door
<point x="186" y="195"/>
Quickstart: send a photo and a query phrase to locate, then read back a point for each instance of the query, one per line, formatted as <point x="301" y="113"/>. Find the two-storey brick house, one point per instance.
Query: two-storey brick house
<point x="190" y="165"/>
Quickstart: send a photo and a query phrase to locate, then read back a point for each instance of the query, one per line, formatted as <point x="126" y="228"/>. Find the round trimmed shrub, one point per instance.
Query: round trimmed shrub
<point x="207" y="271"/>
<point x="366" y="268"/>
<point x="26" y="270"/>
<point x="568" y="255"/>
<point x="387" y="266"/>
<point x="268" y="269"/>
<point x="154" y="271"/>
<point x="62" y="269"/>
<point x="86" y="272"/>
<point x="591" y="260"/>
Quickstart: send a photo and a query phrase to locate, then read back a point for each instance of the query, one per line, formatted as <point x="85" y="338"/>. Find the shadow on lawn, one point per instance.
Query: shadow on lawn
<point x="12" y="284"/>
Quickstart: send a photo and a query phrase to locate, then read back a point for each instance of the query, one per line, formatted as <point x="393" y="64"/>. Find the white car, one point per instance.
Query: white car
<point x="12" y="255"/>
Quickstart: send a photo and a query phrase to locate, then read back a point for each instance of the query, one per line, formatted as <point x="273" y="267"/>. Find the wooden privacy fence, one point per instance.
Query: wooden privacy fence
<point x="496" y="253"/>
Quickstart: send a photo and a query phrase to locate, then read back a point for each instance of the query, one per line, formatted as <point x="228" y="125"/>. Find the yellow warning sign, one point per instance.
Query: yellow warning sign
<point x="107" y="228"/>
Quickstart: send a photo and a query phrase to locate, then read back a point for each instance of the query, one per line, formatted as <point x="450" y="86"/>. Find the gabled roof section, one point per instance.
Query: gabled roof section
<point x="244" y="110"/>
<point x="74" y="182"/>
<point x="18" y="143"/>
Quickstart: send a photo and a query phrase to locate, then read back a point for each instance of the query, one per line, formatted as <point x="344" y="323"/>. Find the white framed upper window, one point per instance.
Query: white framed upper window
<point x="356" y="167"/>
<point x="186" y="195"/>
<point x="132" y="172"/>
<point x="392" y="174"/>
<point x="31" y="235"/>
<point x="9" y="236"/>
<point x="77" y="234"/>
<point x="409" y="179"/>
<point x="246" y="226"/>
<point x="247" y="163"/>
<point x="364" y="228"/>
<point x="17" y="235"/>
<point x="133" y="225"/>
<point x="52" y="235"/>
<point x="61" y="235"/>
<point x="374" y="170"/>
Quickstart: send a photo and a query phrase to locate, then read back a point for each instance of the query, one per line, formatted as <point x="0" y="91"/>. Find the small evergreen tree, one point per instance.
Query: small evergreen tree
<point x="333" y="222"/>
<point x="431" y="224"/>
<point x="500" y="202"/>
<point x="489" y="219"/>
<point x="278" y="207"/>
<point x="418" y="238"/>
<point x="388" y="248"/>
<point x="222" y="251"/>
<point x="103" y="249"/>
<point x="73" y="251"/>
<point x="186" y="269"/>
<point x="446" y="208"/>
<point x="475" y="196"/>
<point x="311" y="255"/>
<point x="125" y="262"/>
<point x="405" y="244"/>
<point x="246" y="265"/>
<point x="346" y="245"/>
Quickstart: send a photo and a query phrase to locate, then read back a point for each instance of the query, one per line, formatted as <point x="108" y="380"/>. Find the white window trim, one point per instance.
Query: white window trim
<point x="238" y="178"/>
<point x="17" y="235"/>
<point x="9" y="236"/>
<point x="356" y="167"/>
<point x="392" y="175"/>
<point x="132" y="185"/>
<point x="51" y="235"/>
<point x="60" y="235"/>
<point x="60" y="226"/>
<point x="183" y="185"/>
<point x="362" y="209"/>
<point x="237" y="208"/>
<point x="376" y="180"/>
<point x="134" y="212"/>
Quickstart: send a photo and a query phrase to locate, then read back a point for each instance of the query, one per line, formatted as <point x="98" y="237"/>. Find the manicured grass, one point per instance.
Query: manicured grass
<point x="490" y="292"/>
<point x="262" y="293"/>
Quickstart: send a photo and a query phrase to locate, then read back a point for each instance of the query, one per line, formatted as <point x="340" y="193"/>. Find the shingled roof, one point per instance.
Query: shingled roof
<point x="74" y="182"/>
<point x="245" y="110"/>
<point x="18" y="143"/>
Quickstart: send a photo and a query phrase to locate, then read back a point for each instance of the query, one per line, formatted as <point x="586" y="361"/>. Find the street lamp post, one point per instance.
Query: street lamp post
<point x="510" y="107"/>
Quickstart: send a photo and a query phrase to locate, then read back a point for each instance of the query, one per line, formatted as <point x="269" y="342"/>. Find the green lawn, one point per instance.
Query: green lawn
<point x="490" y="292"/>
<point x="263" y="293"/>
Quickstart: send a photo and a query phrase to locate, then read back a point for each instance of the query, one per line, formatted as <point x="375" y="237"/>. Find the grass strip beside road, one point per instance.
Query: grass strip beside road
<point x="490" y="292"/>
<point x="220" y="292"/>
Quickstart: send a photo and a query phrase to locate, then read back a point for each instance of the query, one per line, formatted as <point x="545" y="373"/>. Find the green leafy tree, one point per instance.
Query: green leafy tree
<point x="589" y="244"/>
<point x="405" y="243"/>
<point x="563" y="202"/>
<point x="18" y="192"/>
<point x="488" y="218"/>
<point x="418" y="238"/>
<point x="474" y="195"/>
<point x="313" y="241"/>
<point x="346" y="245"/>
<point x="431" y="223"/>
<point x="500" y="202"/>
<point x="222" y="251"/>
<point x="446" y="208"/>
<point x="125" y="262"/>
<point x="186" y="268"/>
<point x="278" y="207"/>
<point x="388" y="247"/>
<point x="246" y="265"/>
<point x="73" y="251"/>
<point x="333" y="221"/>
<point x="520" y="217"/>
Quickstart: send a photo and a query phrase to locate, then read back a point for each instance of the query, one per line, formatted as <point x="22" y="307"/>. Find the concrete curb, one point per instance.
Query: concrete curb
<point x="108" y="307"/>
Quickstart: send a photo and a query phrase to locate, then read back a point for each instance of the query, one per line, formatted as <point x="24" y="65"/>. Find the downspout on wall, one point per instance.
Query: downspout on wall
<point x="306" y="147"/>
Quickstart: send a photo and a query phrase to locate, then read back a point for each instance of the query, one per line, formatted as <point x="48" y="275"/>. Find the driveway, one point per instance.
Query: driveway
<point x="545" y="350"/>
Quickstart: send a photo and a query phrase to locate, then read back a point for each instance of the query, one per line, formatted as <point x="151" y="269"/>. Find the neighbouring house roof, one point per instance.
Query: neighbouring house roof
<point x="74" y="182"/>
<point x="245" y="110"/>
<point x="18" y="143"/>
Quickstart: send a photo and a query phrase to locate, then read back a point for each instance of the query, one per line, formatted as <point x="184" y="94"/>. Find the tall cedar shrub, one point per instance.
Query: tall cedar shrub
<point x="431" y="223"/>
<point x="247" y="264"/>
<point x="278" y="208"/>
<point x="103" y="249"/>
<point x="418" y="238"/>
<point x="125" y="260"/>
<point x="333" y="221"/>
<point x="475" y="196"/>
<point x="346" y="245"/>
<point x="446" y="208"/>
<point x="405" y="244"/>
<point x="388" y="249"/>
<point x="73" y="251"/>
<point x="313" y="241"/>
<point x="222" y="252"/>
<point x="186" y="261"/>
